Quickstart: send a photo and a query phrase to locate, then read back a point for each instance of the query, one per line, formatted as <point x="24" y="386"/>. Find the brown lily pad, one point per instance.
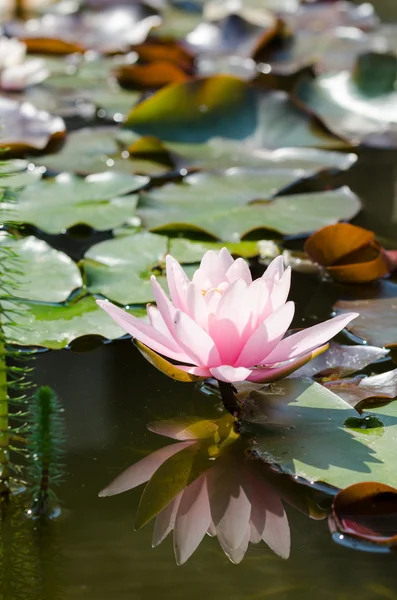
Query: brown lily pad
<point x="350" y="254"/>
<point x="357" y="390"/>
<point x="25" y="129"/>
<point x="151" y="76"/>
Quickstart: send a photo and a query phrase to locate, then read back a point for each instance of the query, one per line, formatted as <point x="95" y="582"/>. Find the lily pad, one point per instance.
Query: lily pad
<point x="357" y="104"/>
<point x="56" y="326"/>
<point x="227" y="107"/>
<point x="302" y="432"/>
<point x="230" y="206"/>
<point x="54" y="205"/>
<point x="19" y="173"/>
<point x="377" y="308"/>
<point x="188" y="251"/>
<point x="120" y="268"/>
<point x="109" y="31"/>
<point x="27" y="129"/>
<point x="38" y="260"/>
<point x="357" y="390"/>
<point x="90" y="151"/>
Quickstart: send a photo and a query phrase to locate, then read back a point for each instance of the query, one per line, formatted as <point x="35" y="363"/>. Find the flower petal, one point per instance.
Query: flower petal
<point x="196" y="306"/>
<point x="195" y="341"/>
<point x="239" y="270"/>
<point x="236" y="555"/>
<point x="230" y="507"/>
<point x="230" y="374"/>
<point x="275" y="270"/>
<point x="267" y="336"/>
<point x="177" y="281"/>
<point x="167" y="310"/>
<point x="165" y="521"/>
<point x="192" y="520"/>
<point x="143" y="470"/>
<point x="214" y="266"/>
<point x="198" y="371"/>
<point x="143" y="332"/>
<point x="280" y="291"/>
<point x="304" y="341"/>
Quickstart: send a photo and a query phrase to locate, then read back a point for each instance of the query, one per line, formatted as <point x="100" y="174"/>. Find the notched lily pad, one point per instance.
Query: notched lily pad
<point x="99" y="200"/>
<point x="228" y="206"/>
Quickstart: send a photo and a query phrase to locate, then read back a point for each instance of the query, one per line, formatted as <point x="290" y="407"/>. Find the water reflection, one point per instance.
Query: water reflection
<point x="208" y="483"/>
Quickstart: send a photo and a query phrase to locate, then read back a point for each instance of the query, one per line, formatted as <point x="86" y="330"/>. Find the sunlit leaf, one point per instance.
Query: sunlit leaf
<point x="230" y="205"/>
<point x="356" y="104"/>
<point x="55" y="326"/>
<point x="227" y="107"/>
<point x="303" y="428"/>
<point x="55" y="205"/>
<point x="120" y="268"/>
<point x="38" y="259"/>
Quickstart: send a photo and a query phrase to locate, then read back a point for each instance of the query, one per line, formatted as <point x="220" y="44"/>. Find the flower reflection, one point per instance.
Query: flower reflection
<point x="228" y="497"/>
<point x="16" y="72"/>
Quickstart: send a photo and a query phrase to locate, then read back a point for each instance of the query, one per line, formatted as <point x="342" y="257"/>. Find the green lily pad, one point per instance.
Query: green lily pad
<point x="120" y="268"/>
<point x="230" y="206"/>
<point x="188" y="251"/>
<point x="356" y="104"/>
<point x="227" y="107"/>
<point x="89" y="151"/>
<point x="55" y="326"/>
<point x="54" y="205"/>
<point x="18" y="174"/>
<point x="377" y="308"/>
<point x="301" y="429"/>
<point x="47" y="275"/>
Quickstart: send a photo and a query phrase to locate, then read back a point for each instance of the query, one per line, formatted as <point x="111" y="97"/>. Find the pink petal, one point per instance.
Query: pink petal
<point x="215" y="265"/>
<point x="201" y="280"/>
<point x="232" y="306"/>
<point x="199" y="371"/>
<point x="211" y="530"/>
<point x="177" y="281"/>
<point x="230" y="508"/>
<point x="192" y="521"/>
<point x="143" y="470"/>
<point x="275" y="270"/>
<point x="230" y="374"/>
<point x="257" y="297"/>
<point x="165" y="521"/>
<point x="239" y="270"/>
<point x="267" y="336"/>
<point x="280" y="291"/>
<point x="167" y="310"/>
<point x="273" y="527"/>
<point x="196" y="306"/>
<point x="143" y="332"/>
<point x="157" y="321"/>
<point x="236" y="555"/>
<point x="255" y="536"/>
<point x="195" y="341"/>
<point x="225" y="261"/>
<point x="212" y="299"/>
<point x="308" y="339"/>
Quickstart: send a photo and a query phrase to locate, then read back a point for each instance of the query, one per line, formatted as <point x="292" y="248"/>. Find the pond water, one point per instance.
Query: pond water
<point x="91" y="552"/>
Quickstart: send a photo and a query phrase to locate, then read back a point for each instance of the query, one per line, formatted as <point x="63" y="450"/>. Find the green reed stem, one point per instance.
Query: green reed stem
<point x="4" y="424"/>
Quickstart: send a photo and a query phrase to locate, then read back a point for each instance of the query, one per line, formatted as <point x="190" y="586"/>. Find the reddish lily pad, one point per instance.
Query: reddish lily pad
<point x="25" y="129"/>
<point x="350" y="254"/>
<point x="357" y="390"/>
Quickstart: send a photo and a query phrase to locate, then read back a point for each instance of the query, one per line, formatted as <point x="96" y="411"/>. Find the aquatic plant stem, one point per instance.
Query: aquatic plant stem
<point x="229" y="399"/>
<point x="4" y="429"/>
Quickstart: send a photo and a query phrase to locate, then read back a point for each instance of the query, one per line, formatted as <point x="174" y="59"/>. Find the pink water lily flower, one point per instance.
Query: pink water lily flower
<point x="232" y="501"/>
<point x="224" y="325"/>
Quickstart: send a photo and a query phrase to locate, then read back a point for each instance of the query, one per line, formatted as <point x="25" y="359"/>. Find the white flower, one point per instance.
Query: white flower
<point x="17" y="72"/>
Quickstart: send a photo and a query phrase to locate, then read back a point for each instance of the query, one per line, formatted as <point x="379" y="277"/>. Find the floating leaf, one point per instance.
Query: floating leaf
<point x="108" y="31"/>
<point x="349" y="253"/>
<point x="25" y="129"/>
<point x="38" y="259"/>
<point x="54" y="205"/>
<point x="148" y="77"/>
<point x="301" y="429"/>
<point x="188" y="251"/>
<point x="356" y="104"/>
<point x="18" y="175"/>
<point x="120" y="268"/>
<point x="227" y="107"/>
<point x="358" y="389"/>
<point x="377" y="308"/>
<point x="55" y="326"/>
<point x="90" y="151"/>
<point x="366" y="512"/>
<point x="339" y="361"/>
<point x="231" y="205"/>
